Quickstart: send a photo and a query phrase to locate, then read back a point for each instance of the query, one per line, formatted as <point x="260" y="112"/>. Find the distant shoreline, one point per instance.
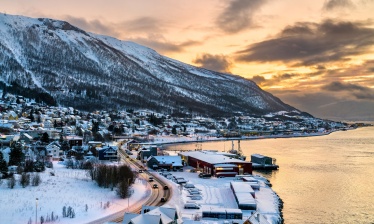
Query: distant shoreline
<point x="171" y="140"/>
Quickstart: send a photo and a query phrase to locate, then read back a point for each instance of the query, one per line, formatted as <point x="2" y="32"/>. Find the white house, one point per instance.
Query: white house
<point x="152" y="214"/>
<point x="53" y="150"/>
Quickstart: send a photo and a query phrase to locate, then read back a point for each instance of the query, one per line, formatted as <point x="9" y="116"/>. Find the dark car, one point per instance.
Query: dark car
<point x="205" y="175"/>
<point x="166" y="187"/>
<point x="155" y="186"/>
<point x="163" y="199"/>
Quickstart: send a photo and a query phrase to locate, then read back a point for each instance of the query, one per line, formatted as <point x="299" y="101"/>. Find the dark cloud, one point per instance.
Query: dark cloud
<point x="258" y="79"/>
<point x="274" y="80"/>
<point x="219" y="63"/>
<point x="238" y="15"/>
<point x="94" y="26"/>
<point x="143" y="30"/>
<point x="161" y="45"/>
<point x="326" y="105"/>
<point x="337" y="4"/>
<point x="358" y="91"/>
<point x="339" y="86"/>
<point x="312" y="43"/>
<point x="143" y="24"/>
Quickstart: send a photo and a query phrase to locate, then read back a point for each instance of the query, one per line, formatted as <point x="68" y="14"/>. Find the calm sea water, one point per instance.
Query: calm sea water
<point x="325" y="179"/>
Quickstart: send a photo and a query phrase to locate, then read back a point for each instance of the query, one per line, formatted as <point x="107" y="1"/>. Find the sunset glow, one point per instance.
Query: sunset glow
<point x="297" y="50"/>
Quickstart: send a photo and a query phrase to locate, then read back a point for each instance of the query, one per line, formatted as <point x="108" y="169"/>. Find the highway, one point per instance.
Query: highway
<point x="153" y="199"/>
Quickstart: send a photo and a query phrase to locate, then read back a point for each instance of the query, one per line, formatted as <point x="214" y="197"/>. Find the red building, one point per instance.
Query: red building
<point x="215" y="163"/>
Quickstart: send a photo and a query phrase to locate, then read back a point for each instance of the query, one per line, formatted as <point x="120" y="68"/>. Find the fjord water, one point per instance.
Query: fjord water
<point x="324" y="179"/>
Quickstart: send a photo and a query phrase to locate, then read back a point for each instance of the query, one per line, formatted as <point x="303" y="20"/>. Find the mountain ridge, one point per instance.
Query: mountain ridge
<point x="88" y="71"/>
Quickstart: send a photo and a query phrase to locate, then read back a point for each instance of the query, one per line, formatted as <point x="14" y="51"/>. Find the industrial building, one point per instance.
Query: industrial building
<point x="215" y="163"/>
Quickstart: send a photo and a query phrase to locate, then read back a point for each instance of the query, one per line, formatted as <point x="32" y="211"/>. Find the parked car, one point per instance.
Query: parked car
<point x="195" y="197"/>
<point x="189" y="186"/>
<point x="205" y="175"/>
<point x="191" y="206"/>
<point x="193" y="190"/>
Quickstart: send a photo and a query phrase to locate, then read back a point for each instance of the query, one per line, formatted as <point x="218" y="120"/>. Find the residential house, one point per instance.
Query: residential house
<point x="74" y="140"/>
<point x="152" y="214"/>
<point x="256" y="218"/>
<point x="145" y="153"/>
<point x="12" y="115"/>
<point x="48" y="124"/>
<point x="26" y="138"/>
<point x="108" y="153"/>
<point x="53" y="150"/>
<point x="165" y="162"/>
<point x="67" y="130"/>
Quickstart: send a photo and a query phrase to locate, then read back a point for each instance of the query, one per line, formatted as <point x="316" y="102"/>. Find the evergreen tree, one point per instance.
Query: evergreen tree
<point x="61" y="140"/>
<point x="45" y="137"/>
<point x="39" y="119"/>
<point x="174" y="131"/>
<point x="31" y="116"/>
<point x="65" y="146"/>
<point x="95" y="127"/>
<point x="16" y="154"/>
<point x="3" y="165"/>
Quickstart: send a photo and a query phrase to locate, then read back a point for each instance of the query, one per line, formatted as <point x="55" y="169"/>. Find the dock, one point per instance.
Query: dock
<point x="261" y="162"/>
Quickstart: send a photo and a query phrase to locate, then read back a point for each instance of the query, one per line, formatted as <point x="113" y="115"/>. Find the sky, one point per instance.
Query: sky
<point x="314" y="55"/>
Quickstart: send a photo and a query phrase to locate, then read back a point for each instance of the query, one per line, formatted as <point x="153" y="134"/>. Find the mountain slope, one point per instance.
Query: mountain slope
<point x="90" y="71"/>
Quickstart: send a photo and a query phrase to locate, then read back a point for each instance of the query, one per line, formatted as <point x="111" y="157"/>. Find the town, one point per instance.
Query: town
<point x="46" y="135"/>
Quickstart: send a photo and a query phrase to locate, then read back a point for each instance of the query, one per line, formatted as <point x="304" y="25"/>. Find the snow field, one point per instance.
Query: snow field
<point x="67" y="188"/>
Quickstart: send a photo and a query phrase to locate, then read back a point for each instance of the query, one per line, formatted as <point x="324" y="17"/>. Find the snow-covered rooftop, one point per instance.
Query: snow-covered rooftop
<point x="211" y="157"/>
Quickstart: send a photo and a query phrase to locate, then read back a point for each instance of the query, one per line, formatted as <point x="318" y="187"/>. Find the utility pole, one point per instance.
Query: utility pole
<point x="36" y="211"/>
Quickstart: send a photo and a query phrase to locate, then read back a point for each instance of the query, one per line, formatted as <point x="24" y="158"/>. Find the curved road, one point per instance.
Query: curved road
<point x="154" y="199"/>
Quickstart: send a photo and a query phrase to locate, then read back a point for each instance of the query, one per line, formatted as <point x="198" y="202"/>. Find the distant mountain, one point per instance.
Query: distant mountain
<point x="87" y="71"/>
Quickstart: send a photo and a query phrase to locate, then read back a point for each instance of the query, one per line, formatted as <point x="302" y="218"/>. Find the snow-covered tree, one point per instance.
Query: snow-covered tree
<point x="3" y="165"/>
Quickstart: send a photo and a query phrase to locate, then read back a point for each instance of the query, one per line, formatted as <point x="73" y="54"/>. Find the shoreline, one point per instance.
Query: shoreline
<point x="171" y="141"/>
<point x="167" y="140"/>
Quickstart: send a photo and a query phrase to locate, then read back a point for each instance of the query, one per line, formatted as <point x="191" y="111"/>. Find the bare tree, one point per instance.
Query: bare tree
<point x="11" y="182"/>
<point x="24" y="180"/>
<point x="36" y="180"/>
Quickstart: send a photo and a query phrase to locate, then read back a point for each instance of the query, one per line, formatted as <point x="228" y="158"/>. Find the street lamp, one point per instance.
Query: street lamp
<point x="128" y="198"/>
<point x="36" y="211"/>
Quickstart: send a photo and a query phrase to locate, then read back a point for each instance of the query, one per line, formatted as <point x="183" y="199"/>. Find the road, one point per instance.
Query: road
<point x="153" y="199"/>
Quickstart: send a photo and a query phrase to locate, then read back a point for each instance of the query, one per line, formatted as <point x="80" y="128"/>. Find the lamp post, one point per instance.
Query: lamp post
<point x="128" y="198"/>
<point x="36" y="211"/>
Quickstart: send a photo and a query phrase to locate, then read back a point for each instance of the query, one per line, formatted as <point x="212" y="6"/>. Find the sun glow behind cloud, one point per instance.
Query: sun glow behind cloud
<point x="290" y="48"/>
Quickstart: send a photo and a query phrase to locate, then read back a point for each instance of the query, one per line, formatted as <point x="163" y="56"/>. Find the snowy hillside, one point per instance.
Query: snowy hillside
<point x="90" y="71"/>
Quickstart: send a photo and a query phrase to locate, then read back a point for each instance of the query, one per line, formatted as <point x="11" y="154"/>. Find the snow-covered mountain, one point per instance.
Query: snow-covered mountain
<point x="90" y="71"/>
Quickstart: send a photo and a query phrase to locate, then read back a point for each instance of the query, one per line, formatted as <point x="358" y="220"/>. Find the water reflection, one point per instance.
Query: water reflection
<point x="327" y="179"/>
